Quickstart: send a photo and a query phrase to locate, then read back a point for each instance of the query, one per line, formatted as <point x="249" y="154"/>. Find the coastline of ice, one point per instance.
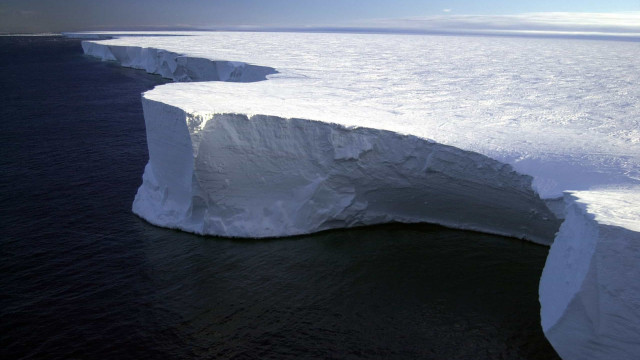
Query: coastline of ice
<point x="564" y="112"/>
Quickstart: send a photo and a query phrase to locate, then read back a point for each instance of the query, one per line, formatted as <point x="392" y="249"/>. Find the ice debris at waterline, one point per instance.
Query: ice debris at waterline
<point x="337" y="136"/>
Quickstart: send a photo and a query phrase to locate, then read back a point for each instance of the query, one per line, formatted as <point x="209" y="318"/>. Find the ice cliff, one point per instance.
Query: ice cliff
<point x="589" y="291"/>
<point x="262" y="176"/>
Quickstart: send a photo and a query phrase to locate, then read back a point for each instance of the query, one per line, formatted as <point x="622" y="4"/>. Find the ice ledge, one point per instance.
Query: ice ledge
<point x="265" y="176"/>
<point x="175" y="66"/>
<point x="589" y="290"/>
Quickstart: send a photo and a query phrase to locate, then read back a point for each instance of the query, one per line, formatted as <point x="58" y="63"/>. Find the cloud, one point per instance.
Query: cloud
<point x="446" y="10"/>
<point x="627" y="23"/>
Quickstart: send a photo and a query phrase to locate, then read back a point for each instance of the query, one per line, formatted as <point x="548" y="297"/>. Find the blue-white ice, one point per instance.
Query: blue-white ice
<point x="352" y="129"/>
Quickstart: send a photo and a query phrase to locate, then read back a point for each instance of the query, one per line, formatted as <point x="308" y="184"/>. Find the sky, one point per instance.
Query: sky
<point x="32" y="16"/>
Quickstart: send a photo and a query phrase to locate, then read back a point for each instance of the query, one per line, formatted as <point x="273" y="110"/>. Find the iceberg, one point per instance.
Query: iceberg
<point x="259" y="138"/>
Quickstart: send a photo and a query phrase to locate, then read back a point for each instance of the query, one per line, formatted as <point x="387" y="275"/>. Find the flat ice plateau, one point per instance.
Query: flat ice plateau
<point x="274" y="134"/>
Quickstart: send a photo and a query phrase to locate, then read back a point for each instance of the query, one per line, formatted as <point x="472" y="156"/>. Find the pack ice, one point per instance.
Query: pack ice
<point x="289" y="133"/>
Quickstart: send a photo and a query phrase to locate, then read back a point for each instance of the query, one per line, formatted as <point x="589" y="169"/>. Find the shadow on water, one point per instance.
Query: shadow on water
<point x="82" y="277"/>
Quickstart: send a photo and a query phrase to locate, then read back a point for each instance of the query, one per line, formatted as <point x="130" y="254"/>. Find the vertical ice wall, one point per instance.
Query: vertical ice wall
<point x="590" y="286"/>
<point x="261" y="176"/>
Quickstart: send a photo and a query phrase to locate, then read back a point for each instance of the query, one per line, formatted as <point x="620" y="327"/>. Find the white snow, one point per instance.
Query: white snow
<point x="352" y="129"/>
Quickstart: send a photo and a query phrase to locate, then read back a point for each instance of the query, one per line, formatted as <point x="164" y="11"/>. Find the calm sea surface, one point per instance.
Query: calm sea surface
<point x="81" y="277"/>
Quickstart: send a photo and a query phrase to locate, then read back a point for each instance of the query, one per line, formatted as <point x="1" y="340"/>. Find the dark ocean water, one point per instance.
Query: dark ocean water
<point x="81" y="277"/>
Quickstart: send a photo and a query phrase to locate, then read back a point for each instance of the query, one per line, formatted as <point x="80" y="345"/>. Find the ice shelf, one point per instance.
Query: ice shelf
<point x="352" y="129"/>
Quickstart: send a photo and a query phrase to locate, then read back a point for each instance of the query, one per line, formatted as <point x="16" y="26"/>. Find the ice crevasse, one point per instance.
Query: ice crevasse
<point x="253" y="160"/>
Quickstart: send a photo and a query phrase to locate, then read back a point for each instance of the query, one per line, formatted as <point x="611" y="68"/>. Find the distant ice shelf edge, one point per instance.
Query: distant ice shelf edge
<point x="251" y="175"/>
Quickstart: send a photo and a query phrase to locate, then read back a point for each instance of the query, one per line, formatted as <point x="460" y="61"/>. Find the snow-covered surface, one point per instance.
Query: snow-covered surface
<point x="589" y="290"/>
<point x="563" y="111"/>
<point x="352" y="129"/>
